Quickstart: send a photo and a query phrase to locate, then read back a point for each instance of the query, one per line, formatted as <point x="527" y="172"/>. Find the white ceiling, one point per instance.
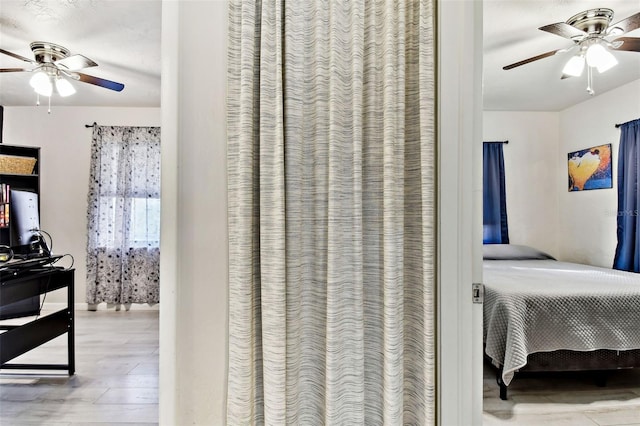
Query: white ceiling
<point x="123" y="37"/>
<point x="511" y="34"/>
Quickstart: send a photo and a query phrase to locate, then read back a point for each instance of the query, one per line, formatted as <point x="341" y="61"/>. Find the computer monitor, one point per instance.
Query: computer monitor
<point x="25" y="223"/>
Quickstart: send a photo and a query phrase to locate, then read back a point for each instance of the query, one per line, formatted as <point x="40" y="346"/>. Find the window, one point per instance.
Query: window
<point x="123" y="251"/>
<point x="144" y="222"/>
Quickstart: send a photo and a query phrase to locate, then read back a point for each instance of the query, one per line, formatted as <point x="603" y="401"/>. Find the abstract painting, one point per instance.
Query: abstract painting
<point x="590" y="168"/>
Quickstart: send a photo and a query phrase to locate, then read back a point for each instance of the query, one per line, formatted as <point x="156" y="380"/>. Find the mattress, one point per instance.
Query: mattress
<point x="543" y="305"/>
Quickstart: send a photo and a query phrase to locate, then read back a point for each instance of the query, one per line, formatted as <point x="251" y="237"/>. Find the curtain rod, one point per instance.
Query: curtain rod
<point x="505" y="142"/>
<point x="91" y="125"/>
<point x="622" y="124"/>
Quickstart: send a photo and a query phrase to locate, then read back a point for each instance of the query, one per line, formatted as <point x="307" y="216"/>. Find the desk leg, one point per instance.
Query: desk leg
<point x="71" y="332"/>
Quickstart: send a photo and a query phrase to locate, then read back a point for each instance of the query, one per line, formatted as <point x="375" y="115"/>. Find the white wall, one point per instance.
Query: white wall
<point x="193" y="316"/>
<point x="574" y="226"/>
<point x="587" y="219"/>
<point x="530" y="172"/>
<point x="65" y="145"/>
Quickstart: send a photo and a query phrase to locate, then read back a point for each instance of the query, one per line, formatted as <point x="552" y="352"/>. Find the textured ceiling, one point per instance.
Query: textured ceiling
<point x="123" y="37"/>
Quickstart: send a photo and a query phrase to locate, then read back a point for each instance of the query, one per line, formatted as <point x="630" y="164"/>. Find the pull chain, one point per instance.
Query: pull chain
<point x="49" y="110"/>
<point x="590" y="90"/>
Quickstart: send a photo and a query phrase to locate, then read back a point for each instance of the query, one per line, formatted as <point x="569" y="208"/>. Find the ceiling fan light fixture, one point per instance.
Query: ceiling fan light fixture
<point x="64" y="88"/>
<point x="598" y="56"/>
<point x="51" y="67"/>
<point x="41" y="83"/>
<point x="608" y="63"/>
<point x="574" y="66"/>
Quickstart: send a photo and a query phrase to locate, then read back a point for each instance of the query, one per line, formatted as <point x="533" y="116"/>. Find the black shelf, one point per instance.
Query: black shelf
<point x="25" y="182"/>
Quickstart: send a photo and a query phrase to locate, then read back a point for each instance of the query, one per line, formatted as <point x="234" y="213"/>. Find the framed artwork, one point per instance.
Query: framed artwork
<point x="590" y="168"/>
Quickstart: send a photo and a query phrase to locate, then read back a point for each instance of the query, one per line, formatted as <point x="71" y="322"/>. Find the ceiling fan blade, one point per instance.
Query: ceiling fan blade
<point x="534" y="58"/>
<point x="75" y="62"/>
<point x="15" y="70"/>
<point x="628" y="24"/>
<point x="107" y="84"/>
<point x="629" y="44"/>
<point x="15" y="55"/>
<point x="563" y="29"/>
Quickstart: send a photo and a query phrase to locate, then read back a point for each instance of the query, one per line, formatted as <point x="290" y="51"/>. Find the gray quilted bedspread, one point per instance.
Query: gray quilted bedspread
<point x="544" y="305"/>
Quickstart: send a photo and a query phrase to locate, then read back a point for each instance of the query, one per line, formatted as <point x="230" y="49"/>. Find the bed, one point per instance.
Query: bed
<point x="544" y="315"/>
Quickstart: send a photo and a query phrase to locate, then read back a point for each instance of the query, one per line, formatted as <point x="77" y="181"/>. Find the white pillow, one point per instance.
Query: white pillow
<point x="513" y="252"/>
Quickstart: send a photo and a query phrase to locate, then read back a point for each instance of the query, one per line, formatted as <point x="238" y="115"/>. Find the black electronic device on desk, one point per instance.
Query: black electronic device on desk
<point x="19" y="265"/>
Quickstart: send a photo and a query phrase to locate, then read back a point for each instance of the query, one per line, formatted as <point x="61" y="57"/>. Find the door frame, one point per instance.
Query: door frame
<point x="459" y="131"/>
<point x="459" y="98"/>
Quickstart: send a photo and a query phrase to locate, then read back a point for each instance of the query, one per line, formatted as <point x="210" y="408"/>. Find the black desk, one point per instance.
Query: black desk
<point x="18" y="339"/>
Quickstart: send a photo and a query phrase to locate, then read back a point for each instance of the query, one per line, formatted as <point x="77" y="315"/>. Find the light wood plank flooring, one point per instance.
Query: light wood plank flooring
<point x="117" y="383"/>
<point x="563" y="399"/>
<point x="116" y="380"/>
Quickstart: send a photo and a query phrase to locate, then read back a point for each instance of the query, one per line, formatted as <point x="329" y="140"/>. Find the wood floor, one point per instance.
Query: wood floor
<point x="116" y="380"/>
<point x="564" y="399"/>
<point x="117" y="383"/>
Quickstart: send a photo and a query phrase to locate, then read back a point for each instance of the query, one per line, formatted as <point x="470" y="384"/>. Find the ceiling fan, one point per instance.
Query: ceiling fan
<point x="590" y="32"/>
<point x="54" y="65"/>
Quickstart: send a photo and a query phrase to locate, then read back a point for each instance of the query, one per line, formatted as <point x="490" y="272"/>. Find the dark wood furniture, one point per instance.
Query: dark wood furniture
<point x="25" y="180"/>
<point x="17" y="285"/>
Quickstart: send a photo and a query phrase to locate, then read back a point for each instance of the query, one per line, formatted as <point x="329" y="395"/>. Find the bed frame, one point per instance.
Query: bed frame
<point x="600" y="361"/>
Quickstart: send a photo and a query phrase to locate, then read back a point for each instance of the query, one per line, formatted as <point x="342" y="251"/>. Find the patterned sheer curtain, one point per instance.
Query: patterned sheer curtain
<point x="331" y="156"/>
<point x="495" y="227"/>
<point x="123" y="250"/>
<point x="627" y="256"/>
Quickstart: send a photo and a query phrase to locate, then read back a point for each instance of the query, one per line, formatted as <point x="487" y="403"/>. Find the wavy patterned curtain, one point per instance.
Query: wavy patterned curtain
<point x="495" y="228"/>
<point x="331" y="156"/>
<point x="627" y="256"/>
<point x="123" y="247"/>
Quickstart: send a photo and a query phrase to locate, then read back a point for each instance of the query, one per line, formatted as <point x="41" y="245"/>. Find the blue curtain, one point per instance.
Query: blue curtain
<point x="495" y="228"/>
<point x="628" y="250"/>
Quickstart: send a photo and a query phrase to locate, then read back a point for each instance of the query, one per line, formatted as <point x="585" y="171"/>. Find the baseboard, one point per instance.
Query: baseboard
<point x="55" y="306"/>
